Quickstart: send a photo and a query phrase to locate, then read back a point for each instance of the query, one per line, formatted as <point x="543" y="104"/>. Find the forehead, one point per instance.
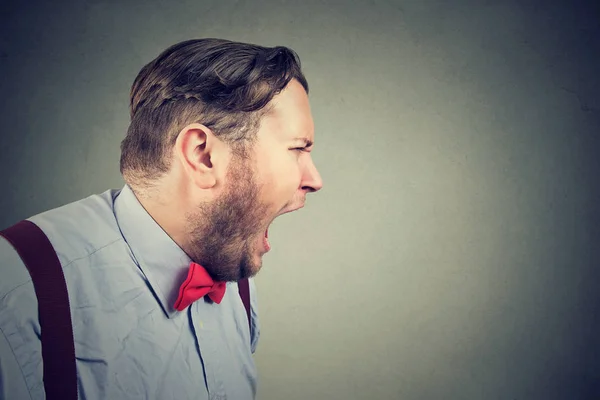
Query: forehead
<point x="290" y="115"/>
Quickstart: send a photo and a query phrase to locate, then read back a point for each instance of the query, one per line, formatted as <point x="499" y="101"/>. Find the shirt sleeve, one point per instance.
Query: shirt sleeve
<point x="12" y="383"/>
<point x="14" y="275"/>
<point x="254" y="315"/>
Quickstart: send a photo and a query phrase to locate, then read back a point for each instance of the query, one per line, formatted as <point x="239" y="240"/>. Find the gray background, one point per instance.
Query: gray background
<point x="453" y="252"/>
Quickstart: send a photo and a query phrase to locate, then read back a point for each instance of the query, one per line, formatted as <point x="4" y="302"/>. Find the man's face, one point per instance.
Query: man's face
<point x="231" y="237"/>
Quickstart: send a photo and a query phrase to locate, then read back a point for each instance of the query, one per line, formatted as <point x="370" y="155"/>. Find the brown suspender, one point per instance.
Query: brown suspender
<point x="244" y="289"/>
<point x="58" y="349"/>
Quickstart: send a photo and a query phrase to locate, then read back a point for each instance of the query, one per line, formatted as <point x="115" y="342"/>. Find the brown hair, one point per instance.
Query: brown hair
<point x="221" y="84"/>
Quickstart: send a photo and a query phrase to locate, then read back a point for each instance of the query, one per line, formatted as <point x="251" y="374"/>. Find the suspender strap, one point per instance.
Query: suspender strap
<point x="58" y="350"/>
<point x="244" y="289"/>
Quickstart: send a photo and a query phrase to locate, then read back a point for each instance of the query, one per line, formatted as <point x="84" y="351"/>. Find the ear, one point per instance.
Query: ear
<point x="198" y="151"/>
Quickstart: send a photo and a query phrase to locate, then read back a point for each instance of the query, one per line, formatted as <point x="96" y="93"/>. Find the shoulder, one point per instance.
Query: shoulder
<point x="81" y="228"/>
<point x="75" y="230"/>
<point x="12" y="270"/>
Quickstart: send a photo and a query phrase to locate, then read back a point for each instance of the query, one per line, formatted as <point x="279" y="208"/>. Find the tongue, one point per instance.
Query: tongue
<point x="266" y="241"/>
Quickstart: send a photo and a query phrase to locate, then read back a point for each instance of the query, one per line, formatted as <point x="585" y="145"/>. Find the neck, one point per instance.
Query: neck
<point x="167" y="209"/>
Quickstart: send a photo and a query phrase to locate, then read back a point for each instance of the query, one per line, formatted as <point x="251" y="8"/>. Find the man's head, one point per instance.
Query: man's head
<point x="218" y="146"/>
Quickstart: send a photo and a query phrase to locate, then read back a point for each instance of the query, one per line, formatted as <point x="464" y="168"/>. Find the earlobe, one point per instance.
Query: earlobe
<point x="194" y="149"/>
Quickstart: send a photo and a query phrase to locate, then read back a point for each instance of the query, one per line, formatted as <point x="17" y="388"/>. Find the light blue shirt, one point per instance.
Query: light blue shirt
<point x="123" y="274"/>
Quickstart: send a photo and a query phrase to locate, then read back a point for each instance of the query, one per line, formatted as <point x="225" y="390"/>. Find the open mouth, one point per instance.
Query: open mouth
<point x="266" y="243"/>
<point x="266" y="240"/>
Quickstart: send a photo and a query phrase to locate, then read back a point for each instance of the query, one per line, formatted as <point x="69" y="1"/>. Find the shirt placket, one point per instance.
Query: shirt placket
<point x="208" y="338"/>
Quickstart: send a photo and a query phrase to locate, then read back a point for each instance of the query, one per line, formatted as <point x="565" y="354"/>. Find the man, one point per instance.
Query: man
<point x="218" y="146"/>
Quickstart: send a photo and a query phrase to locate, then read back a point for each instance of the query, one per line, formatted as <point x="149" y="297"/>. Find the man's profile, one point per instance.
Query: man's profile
<point x="219" y="145"/>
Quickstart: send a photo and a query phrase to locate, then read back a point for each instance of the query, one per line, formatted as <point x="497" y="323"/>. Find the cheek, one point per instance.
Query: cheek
<point x="288" y="181"/>
<point x="285" y="179"/>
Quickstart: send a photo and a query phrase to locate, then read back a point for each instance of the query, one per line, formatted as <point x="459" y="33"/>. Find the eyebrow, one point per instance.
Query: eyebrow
<point x="306" y="141"/>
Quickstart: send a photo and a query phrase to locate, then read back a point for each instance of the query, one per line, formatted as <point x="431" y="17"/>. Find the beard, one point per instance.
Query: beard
<point x="224" y="232"/>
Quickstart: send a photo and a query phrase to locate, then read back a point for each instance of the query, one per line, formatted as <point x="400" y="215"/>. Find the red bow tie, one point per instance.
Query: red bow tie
<point x="197" y="285"/>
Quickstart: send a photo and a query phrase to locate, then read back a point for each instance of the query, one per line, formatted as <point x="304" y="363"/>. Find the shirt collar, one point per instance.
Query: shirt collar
<point x="164" y="264"/>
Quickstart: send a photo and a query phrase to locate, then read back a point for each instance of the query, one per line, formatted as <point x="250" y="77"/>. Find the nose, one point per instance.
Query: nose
<point x="312" y="181"/>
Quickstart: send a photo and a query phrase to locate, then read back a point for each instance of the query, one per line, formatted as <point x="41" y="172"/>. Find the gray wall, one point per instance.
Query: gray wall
<point x="453" y="252"/>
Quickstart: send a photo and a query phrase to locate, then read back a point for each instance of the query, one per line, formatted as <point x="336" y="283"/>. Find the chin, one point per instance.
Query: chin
<point x="250" y="266"/>
<point x="256" y="267"/>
